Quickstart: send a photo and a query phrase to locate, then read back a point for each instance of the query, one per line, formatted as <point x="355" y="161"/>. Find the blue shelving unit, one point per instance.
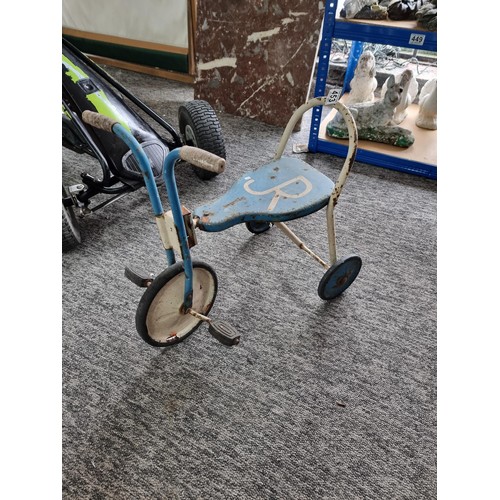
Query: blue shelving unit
<point x="359" y="31"/>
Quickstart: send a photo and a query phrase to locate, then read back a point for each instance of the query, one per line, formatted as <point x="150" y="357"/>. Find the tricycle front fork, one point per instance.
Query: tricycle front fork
<point x="173" y="196"/>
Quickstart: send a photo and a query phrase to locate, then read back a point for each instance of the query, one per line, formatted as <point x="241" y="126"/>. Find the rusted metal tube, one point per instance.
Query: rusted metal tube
<point x="351" y="152"/>
<point x="316" y="101"/>
<point x="330" y="226"/>
<point x="346" y="168"/>
<point x="198" y="315"/>
<point x="290" y="234"/>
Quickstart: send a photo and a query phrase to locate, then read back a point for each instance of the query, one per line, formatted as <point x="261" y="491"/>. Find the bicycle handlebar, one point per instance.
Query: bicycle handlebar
<point x="99" y="121"/>
<point x="197" y="157"/>
<point x="202" y="159"/>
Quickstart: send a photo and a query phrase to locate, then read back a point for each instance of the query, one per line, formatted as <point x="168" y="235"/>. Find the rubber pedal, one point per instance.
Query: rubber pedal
<point x="139" y="277"/>
<point x="224" y="332"/>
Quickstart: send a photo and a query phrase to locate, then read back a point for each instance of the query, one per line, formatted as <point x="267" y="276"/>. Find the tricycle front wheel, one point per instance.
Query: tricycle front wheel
<point x="160" y="320"/>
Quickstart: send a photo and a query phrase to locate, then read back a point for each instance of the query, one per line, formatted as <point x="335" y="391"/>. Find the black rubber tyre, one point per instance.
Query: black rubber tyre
<point x="159" y="320"/>
<point x="257" y="227"/>
<point x="71" y="236"/>
<point x="339" y="277"/>
<point x="200" y="127"/>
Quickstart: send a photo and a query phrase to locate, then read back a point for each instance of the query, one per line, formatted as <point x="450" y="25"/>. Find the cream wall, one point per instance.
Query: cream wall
<point x="157" y="21"/>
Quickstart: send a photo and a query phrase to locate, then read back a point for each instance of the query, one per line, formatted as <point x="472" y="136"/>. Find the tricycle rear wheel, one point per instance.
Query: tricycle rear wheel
<point x="339" y="277"/>
<point x="258" y="227"/>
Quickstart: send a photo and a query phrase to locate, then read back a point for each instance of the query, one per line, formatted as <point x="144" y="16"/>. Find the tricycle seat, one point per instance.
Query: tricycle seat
<point x="279" y="191"/>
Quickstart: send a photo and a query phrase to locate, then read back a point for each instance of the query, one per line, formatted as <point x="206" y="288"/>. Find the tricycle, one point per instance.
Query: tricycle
<point x="178" y="299"/>
<point x="88" y="87"/>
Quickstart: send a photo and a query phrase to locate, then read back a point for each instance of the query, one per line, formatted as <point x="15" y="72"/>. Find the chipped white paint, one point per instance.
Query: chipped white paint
<point x="289" y="77"/>
<point x="218" y="63"/>
<point x="278" y="191"/>
<point x="259" y="35"/>
<point x="287" y="20"/>
<point x="205" y="25"/>
<point x="290" y="234"/>
<point x="297" y="14"/>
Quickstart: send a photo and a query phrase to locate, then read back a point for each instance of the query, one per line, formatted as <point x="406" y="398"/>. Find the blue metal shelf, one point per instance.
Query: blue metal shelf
<point x="386" y="35"/>
<point x="378" y="159"/>
<point x="369" y="31"/>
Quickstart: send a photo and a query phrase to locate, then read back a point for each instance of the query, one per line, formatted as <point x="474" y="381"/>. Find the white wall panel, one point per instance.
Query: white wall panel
<point x="157" y="21"/>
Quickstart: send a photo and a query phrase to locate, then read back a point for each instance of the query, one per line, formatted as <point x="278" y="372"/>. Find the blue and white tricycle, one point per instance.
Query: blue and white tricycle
<point x="179" y="299"/>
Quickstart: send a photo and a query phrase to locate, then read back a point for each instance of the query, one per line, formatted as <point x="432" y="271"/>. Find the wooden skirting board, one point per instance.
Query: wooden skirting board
<point x="117" y="40"/>
<point x="162" y="73"/>
<point x="149" y="70"/>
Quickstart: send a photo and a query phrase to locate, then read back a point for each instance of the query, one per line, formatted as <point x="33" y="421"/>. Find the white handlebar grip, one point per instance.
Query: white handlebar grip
<point x="203" y="159"/>
<point x="98" y="121"/>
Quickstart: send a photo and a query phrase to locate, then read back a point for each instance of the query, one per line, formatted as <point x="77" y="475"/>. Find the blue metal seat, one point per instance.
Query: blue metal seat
<point x="279" y="191"/>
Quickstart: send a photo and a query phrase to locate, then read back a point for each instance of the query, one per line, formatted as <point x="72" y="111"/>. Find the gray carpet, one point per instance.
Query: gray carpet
<point x="319" y="401"/>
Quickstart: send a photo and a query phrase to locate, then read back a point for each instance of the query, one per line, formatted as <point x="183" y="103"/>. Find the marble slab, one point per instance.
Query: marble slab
<point x="255" y="59"/>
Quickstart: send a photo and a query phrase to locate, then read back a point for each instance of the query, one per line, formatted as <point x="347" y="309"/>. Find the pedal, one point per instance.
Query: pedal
<point x="139" y="277"/>
<point x="224" y="332"/>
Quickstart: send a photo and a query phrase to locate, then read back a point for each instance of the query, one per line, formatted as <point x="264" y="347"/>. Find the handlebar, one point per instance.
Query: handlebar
<point x="99" y="121"/>
<point x="195" y="156"/>
<point x="202" y="159"/>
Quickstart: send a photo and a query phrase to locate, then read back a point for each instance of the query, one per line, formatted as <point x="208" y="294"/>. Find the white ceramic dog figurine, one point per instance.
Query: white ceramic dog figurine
<point x="375" y="114"/>
<point x="375" y="120"/>
<point x="427" y="113"/>
<point x="410" y="90"/>
<point x="364" y="83"/>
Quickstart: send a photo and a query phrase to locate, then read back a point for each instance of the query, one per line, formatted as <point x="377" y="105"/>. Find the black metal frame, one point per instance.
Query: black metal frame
<point x="79" y="138"/>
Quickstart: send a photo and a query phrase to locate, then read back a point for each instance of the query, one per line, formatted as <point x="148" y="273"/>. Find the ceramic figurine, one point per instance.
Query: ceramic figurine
<point x="375" y="120"/>
<point x="363" y="9"/>
<point x="379" y="113"/>
<point x="400" y="10"/>
<point x="364" y="83"/>
<point x="427" y="113"/>
<point x="410" y="90"/>
<point x="427" y="16"/>
<point x="352" y="7"/>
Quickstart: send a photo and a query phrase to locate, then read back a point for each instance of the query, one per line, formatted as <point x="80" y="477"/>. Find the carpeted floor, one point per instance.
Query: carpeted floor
<point x="319" y="401"/>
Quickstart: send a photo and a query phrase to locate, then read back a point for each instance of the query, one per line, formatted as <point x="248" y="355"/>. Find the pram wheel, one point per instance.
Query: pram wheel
<point x="200" y="127"/>
<point x="159" y="319"/>
<point x="257" y="227"/>
<point x="339" y="277"/>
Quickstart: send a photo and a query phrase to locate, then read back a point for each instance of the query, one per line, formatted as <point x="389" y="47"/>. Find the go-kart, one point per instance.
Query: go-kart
<point x="88" y="87"/>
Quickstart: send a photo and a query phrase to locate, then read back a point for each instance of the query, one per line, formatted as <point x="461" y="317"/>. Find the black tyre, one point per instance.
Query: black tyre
<point x="159" y="319"/>
<point x="339" y="277"/>
<point x="71" y="236"/>
<point x="200" y="127"/>
<point x="257" y="227"/>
